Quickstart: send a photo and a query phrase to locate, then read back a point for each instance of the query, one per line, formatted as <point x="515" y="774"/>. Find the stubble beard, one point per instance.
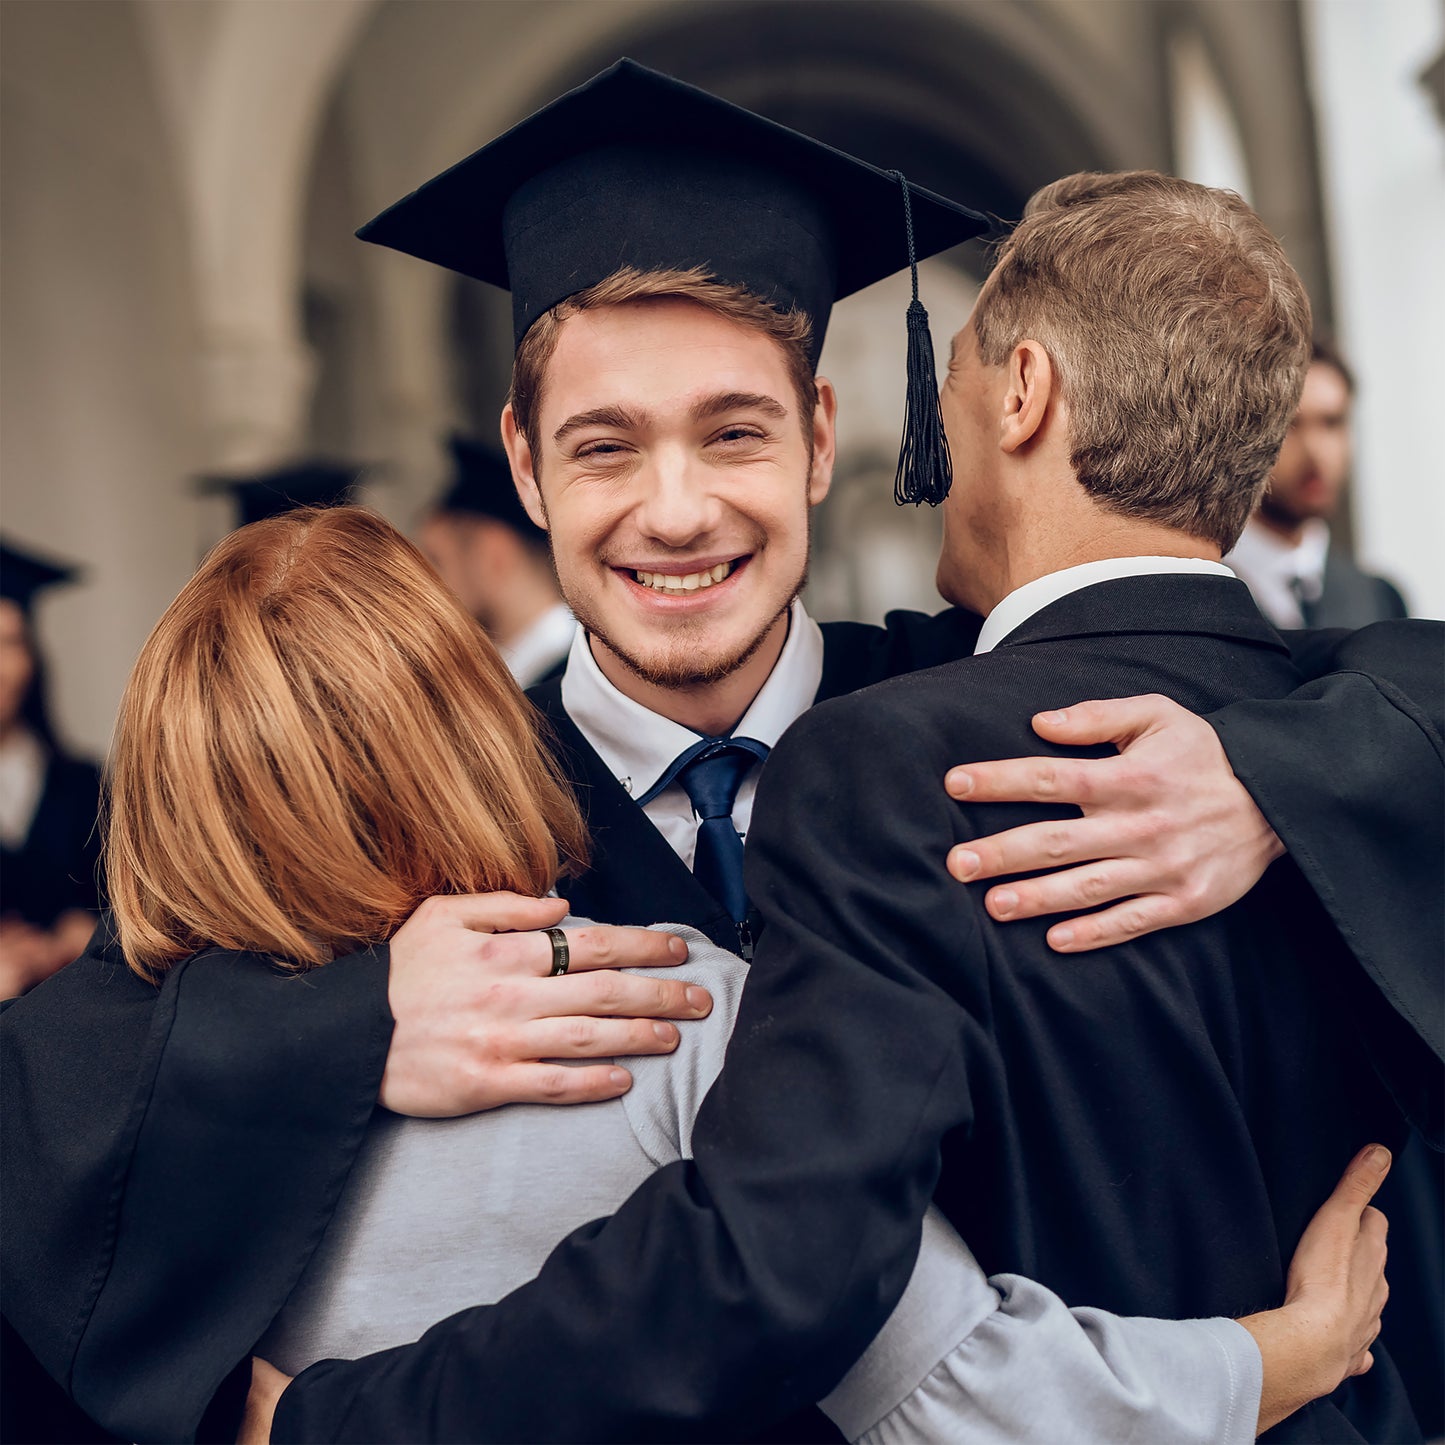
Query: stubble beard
<point x="684" y="665"/>
<point x="681" y="668"/>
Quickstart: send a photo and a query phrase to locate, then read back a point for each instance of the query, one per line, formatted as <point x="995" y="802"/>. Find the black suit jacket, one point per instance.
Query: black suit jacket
<point x="172" y="1155"/>
<point x="1149" y="1129"/>
<point x="633" y="876"/>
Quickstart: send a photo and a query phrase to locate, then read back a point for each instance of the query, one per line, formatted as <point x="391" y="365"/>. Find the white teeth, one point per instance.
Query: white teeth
<point x="670" y="582"/>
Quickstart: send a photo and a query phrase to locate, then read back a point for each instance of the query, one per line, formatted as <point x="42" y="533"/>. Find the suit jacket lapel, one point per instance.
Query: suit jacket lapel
<point x="633" y="876"/>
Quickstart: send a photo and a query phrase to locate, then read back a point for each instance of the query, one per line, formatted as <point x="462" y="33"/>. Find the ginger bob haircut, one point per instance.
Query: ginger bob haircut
<point x="1179" y="335"/>
<point x="315" y="739"/>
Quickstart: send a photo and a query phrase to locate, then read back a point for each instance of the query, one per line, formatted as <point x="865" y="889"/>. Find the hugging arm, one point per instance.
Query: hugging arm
<point x="816" y="1155"/>
<point x="1345" y="774"/>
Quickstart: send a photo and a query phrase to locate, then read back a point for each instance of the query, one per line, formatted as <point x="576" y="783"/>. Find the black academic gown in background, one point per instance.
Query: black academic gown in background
<point x="182" y="1148"/>
<point x="55" y="869"/>
<point x="1148" y="1129"/>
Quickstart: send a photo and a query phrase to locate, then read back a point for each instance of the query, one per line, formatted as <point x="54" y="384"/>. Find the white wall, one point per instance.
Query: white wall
<point x="1382" y="148"/>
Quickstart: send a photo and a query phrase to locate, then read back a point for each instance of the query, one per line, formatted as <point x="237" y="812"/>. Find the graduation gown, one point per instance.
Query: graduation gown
<point x="183" y="1147"/>
<point x="1150" y="1129"/>
<point x="54" y="869"/>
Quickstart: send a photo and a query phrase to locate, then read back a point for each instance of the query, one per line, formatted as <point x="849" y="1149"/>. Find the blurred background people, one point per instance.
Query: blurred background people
<point x="229" y="320"/>
<point x="496" y="560"/>
<point x="1299" y="573"/>
<point x="306" y="483"/>
<point x="49" y="799"/>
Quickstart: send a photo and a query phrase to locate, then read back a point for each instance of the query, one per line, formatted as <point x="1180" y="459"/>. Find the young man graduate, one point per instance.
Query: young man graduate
<point x="720" y="660"/>
<point x="1114" y="407"/>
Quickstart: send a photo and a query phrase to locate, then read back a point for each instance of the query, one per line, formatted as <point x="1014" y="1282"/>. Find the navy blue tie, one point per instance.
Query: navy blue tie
<point x="711" y="772"/>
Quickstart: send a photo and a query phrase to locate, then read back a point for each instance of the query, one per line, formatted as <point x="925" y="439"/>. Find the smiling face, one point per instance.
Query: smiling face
<point x="675" y="475"/>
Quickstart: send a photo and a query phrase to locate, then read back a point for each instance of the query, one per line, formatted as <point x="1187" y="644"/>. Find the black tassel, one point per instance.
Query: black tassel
<point x="925" y="468"/>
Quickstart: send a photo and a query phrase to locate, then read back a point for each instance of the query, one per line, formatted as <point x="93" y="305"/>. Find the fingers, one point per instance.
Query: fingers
<point x="1111" y="720"/>
<point x="581" y="1037"/>
<point x="497" y="912"/>
<point x="1132" y="919"/>
<point x="619" y="995"/>
<point x="1022" y="850"/>
<point x="565" y="1084"/>
<point x="1026" y="780"/>
<point x="1362" y="1177"/>
<point x="608" y="946"/>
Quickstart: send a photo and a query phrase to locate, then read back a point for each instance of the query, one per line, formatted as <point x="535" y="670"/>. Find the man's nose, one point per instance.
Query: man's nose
<point x="678" y="504"/>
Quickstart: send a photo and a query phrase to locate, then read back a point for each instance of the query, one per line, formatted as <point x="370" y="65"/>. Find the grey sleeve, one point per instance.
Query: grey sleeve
<point x="668" y="1089"/>
<point x="1002" y="1361"/>
<point x="996" y="1362"/>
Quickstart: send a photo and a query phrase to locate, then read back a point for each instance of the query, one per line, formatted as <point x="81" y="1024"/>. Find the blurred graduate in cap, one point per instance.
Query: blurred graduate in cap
<point x="309" y="483"/>
<point x="49" y="845"/>
<point x="495" y="558"/>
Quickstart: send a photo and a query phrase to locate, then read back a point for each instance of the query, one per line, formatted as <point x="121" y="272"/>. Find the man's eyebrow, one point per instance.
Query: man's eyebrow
<point x="725" y="401"/>
<point x="617" y="417"/>
<point x="953" y="350"/>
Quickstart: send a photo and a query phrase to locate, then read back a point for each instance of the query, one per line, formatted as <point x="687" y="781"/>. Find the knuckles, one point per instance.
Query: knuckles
<point x="553" y="1082"/>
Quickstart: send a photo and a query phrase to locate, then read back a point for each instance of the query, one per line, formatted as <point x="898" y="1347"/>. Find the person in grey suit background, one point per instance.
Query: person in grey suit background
<point x="1299" y="574"/>
<point x="1301" y="577"/>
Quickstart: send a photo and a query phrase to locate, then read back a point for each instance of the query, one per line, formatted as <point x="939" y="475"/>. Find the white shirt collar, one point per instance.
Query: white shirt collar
<point x="541" y="647"/>
<point x="637" y="744"/>
<point x="1280" y="572"/>
<point x="1032" y="597"/>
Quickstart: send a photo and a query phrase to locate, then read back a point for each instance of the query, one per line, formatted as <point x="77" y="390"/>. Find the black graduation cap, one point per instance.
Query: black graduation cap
<point x="481" y="486"/>
<point x="23" y="574"/>
<point x="636" y="168"/>
<point x="301" y="484"/>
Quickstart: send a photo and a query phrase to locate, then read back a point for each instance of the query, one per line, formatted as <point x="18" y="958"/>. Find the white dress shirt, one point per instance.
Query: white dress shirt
<point x="637" y="744"/>
<point x="1032" y="597"/>
<point x="1279" y="573"/>
<point x="541" y="647"/>
<point x="22" y="780"/>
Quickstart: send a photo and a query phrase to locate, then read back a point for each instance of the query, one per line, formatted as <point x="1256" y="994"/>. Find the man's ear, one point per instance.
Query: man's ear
<point x="1027" y="395"/>
<point x="825" y="442"/>
<point x="524" y="472"/>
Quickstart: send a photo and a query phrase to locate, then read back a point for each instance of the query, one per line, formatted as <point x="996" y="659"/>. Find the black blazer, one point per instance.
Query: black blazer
<point x="56" y="867"/>
<point x="1149" y="1129"/>
<point x="148" y="1241"/>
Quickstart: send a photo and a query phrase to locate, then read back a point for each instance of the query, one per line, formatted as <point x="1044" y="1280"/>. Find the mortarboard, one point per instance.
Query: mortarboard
<point x="636" y="168"/>
<point x="482" y="486"/>
<point x="23" y="574"/>
<point x="269" y="494"/>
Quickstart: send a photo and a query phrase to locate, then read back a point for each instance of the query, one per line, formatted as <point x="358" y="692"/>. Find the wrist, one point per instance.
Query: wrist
<point x="1299" y="1361"/>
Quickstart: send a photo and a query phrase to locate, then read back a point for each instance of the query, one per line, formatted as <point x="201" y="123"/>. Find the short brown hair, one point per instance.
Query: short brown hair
<point x="790" y="329"/>
<point x="316" y="737"/>
<point x="1179" y="335"/>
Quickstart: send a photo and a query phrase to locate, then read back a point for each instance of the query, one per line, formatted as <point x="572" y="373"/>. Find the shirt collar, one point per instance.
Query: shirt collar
<point x="637" y="744"/>
<point x="1032" y="597"/>
<point x="1260" y="549"/>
